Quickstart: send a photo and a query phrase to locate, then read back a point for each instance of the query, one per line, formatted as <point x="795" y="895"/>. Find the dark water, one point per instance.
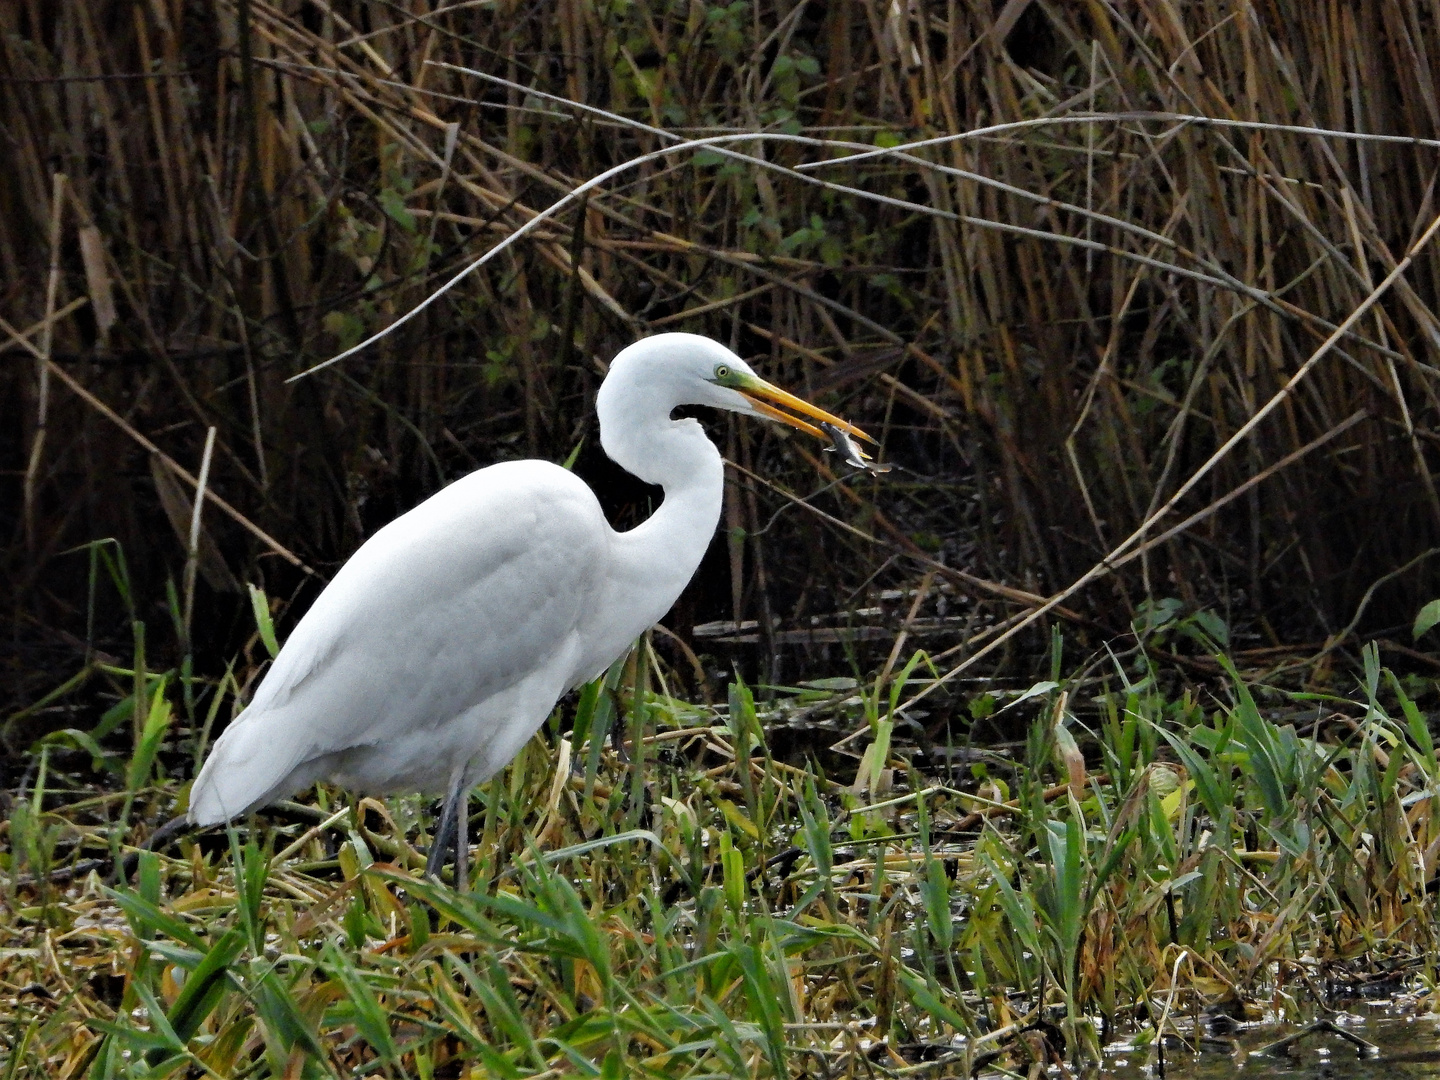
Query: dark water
<point x="1406" y="1046"/>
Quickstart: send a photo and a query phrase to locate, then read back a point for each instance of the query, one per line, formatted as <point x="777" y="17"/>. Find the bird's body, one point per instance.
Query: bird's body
<point x="443" y="644"/>
<point x="407" y="700"/>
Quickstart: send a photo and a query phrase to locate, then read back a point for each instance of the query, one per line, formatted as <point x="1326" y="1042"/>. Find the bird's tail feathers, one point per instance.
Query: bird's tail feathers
<point x="254" y="762"/>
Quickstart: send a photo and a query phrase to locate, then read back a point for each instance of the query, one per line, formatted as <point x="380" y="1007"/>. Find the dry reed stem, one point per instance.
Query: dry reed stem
<point x="1108" y="564"/>
<point x="174" y="466"/>
<point x="192" y="549"/>
<point x="42" y="360"/>
<point x="1122" y="234"/>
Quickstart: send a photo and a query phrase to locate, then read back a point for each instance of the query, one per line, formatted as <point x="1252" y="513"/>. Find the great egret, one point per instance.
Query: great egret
<point x="443" y="644"/>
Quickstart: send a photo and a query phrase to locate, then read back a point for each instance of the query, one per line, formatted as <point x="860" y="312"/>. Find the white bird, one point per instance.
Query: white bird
<point x="444" y="642"/>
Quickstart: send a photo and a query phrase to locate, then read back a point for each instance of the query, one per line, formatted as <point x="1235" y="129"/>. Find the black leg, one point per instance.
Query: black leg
<point x="462" y="841"/>
<point x="125" y="868"/>
<point x="452" y="835"/>
<point x="443" y="839"/>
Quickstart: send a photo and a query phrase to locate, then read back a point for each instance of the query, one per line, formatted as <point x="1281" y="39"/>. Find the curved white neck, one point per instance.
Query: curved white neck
<point x="656" y="559"/>
<point x="651" y="564"/>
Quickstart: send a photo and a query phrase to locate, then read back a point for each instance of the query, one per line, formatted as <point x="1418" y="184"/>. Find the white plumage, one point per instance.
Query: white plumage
<point x="443" y="644"/>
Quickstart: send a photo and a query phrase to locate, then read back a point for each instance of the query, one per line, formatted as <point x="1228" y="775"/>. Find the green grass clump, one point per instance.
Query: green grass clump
<point x="694" y="907"/>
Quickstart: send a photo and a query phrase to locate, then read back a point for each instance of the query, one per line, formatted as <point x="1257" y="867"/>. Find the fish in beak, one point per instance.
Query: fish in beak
<point x="842" y="445"/>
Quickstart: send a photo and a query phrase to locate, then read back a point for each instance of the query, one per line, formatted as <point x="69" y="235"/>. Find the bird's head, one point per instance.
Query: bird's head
<point x="739" y="389"/>
<point x="688" y="369"/>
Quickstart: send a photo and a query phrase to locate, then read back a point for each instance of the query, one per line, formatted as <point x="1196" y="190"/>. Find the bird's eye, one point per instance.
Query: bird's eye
<point x="722" y="372"/>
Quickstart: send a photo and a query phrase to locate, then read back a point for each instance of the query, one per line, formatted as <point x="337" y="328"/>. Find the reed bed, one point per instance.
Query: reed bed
<point x="1079" y="267"/>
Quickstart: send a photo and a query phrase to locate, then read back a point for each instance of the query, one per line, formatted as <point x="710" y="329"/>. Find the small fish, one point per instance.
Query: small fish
<point x="852" y="455"/>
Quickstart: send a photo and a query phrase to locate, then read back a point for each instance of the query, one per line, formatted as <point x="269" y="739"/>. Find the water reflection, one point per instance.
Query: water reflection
<point x="1405" y="1046"/>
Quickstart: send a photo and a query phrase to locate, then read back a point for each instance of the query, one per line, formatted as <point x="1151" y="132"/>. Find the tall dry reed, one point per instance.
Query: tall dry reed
<point x="1149" y="217"/>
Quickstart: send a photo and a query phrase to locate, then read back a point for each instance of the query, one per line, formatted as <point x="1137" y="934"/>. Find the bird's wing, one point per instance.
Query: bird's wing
<point x="448" y="605"/>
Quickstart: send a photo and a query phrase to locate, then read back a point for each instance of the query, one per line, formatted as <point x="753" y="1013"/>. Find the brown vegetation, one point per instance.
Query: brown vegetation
<point x="1053" y="325"/>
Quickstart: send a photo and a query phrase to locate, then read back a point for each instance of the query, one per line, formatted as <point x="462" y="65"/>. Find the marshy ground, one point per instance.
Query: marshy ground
<point x="656" y="893"/>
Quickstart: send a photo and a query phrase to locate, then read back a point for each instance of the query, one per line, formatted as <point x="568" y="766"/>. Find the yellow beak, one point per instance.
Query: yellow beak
<point x="760" y="393"/>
